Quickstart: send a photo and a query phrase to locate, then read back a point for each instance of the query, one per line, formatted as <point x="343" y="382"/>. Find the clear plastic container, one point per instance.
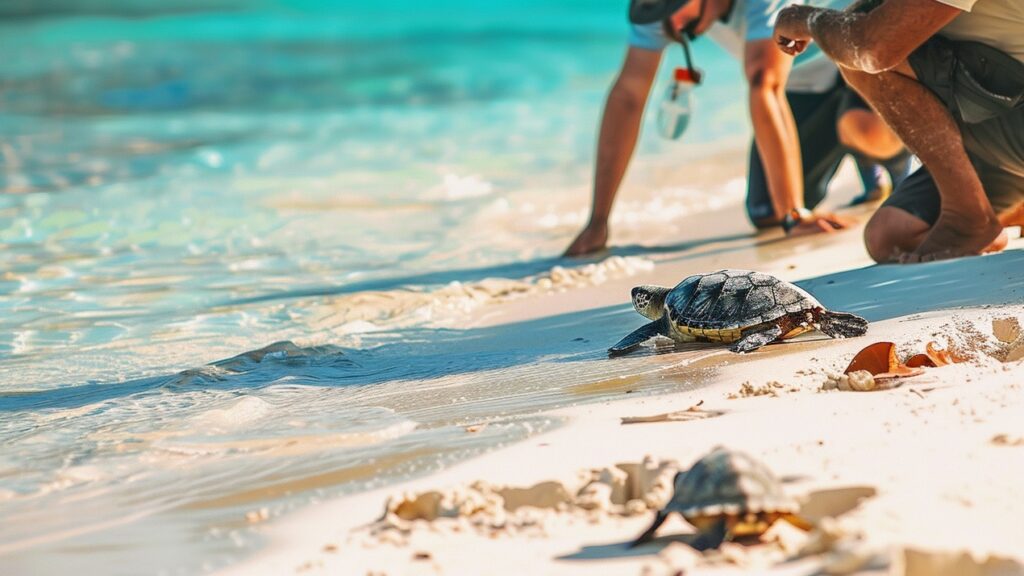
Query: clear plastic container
<point x="675" y="108"/>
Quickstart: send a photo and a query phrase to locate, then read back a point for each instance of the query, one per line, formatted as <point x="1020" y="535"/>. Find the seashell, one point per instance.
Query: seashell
<point x="861" y="381"/>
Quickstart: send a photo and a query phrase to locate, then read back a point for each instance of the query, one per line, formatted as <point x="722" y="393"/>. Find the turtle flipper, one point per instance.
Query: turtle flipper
<point x="648" y="535"/>
<point x="637" y="337"/>
<point x="842" y="324"/>
<point x="755" y="340"/>
<point x="712" y="537"/>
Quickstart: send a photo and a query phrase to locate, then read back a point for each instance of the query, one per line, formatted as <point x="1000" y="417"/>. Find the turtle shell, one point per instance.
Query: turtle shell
<point x="729" y="482"/>
<point x="734" y="299"/>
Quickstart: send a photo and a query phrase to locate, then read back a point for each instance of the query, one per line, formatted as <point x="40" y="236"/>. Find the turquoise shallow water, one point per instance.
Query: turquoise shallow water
<point x="187" y="182"/>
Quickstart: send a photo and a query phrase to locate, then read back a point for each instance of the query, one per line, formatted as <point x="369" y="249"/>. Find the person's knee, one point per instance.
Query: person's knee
<point x="877" y="239"/>
<point x="891" y="231"/>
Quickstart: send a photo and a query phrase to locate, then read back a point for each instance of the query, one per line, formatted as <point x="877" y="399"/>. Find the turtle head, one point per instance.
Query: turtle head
<point x="649" y="300"/>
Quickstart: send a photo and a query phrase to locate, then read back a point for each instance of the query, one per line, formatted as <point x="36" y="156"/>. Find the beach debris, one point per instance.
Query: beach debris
<point x="475" y="427"/>
<point x="1007" y="440"/>
<point x="916" y="562"/>
<point x="692" y="413"/>
<point x="744" y="308"/>
<point x="256" y="516"/>
<point x="879" y="360"/>
<point x="1006" y="330"/>
<point x="331" y="548"/>
<point x="626" y="489"/>
<point x="934" y="357"/>
<point x="422" y="555"/>
<point x="748" y="390"/>
<point x="876" y="367"/>
<point x="550" y="494"/>
<point x="727" y="495"/>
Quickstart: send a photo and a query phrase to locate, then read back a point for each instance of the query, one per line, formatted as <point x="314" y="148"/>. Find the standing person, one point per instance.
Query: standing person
<point x="948" y="76"/>
<point x="816" y="114"/>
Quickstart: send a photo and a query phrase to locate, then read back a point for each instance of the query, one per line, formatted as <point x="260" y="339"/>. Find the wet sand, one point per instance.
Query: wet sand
<point x="942" y="453"/>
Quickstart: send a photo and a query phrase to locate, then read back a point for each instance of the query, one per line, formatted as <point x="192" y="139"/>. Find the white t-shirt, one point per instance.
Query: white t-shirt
<point x="752" y="20"/>
<point x="997" y="23"/>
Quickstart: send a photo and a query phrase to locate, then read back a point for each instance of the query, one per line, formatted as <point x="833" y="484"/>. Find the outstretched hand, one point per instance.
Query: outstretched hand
<point x="792" y="33"/>
<point x="822" y="223"/>
<point x="592" y="239"/>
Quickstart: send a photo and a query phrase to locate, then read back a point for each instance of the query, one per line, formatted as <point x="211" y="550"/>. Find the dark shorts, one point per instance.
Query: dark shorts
<point x="816" y="116"/>
<point x="969" y="80"/>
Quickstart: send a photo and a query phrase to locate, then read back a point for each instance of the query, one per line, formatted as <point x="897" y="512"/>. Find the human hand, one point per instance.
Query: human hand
<point x="821" y="223"/>
<point x="591" y="239"/>
<point x="792" y="30"/>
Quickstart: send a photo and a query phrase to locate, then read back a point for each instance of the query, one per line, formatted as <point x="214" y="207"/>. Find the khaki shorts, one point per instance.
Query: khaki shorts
<point x="994" y="144"/>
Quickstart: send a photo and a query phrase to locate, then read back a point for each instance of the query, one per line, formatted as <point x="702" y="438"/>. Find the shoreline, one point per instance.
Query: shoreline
<point x="907" y="305"/>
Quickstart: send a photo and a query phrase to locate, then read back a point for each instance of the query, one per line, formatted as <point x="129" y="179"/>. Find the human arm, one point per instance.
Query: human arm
<point x="873" y="41"/>
<point x="620" y="126"/>
<point x="775" y="134"/>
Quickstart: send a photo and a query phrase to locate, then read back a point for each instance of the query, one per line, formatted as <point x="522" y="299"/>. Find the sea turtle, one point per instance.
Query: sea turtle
<point x="747" y="309"/>
<point x="726" y="495"/>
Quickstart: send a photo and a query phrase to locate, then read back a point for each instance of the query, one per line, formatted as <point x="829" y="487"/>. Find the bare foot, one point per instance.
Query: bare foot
<point x="592" y="239"/>
<point x="954" y="236"/>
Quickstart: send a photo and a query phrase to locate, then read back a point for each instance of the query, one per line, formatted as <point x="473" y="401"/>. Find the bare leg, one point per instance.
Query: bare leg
<point x="865" y="132"/>
<point x="966" y="224"/>
<point x="892" y="233"/>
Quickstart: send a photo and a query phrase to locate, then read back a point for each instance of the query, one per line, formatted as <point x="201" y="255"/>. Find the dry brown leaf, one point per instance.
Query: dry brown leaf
<point x="942" y="357"/>
<point x="879" y="359"/>
<point x="920" y="361"/>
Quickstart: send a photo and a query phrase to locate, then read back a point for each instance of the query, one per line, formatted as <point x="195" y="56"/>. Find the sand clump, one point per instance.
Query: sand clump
<point x="625" y="489"/>
<point x="771" y="388"/>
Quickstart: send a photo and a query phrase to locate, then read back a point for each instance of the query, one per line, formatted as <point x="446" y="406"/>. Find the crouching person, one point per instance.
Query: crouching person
<point x="948" y="78"/>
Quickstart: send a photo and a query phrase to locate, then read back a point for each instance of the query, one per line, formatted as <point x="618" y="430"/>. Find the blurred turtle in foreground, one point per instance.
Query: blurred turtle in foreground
<point x="727" y="495"/>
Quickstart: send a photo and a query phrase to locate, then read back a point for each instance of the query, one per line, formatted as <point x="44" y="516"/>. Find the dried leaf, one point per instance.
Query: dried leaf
<point x="942" y="357"/>
<point x="875" y="359"/>
<point x="919" y="361"/>
<point x="879" y="359"/>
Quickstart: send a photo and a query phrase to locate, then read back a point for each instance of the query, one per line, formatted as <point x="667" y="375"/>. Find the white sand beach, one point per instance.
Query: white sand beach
<point x="921" y="478"/>
<point x="282" y="292"/>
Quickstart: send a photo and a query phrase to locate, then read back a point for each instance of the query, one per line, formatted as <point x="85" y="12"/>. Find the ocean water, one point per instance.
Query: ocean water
<point x="239" y="241"/>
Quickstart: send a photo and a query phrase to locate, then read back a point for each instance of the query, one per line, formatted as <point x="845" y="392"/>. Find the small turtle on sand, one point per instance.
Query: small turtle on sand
<point x="727" y="495"/>
<point x="747" y="309"/>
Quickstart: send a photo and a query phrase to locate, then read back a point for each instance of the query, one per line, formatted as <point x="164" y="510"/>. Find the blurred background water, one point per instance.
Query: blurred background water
<point x="188" y="181"/>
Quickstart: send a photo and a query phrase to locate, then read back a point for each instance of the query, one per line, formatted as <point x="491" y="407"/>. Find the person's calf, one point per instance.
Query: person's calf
<point x="865" y="132"/>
